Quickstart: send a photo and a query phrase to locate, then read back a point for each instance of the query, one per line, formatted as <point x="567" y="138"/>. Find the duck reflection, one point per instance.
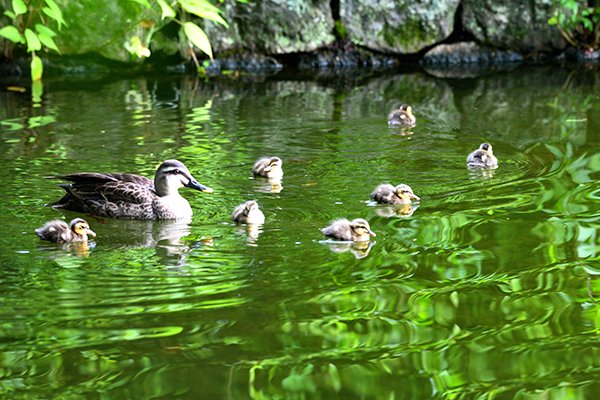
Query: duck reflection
<point x="165" y="236"/>
<point x="396" y="210"/>
<point x="268" y="185"/>
<point x="358" y="249"/>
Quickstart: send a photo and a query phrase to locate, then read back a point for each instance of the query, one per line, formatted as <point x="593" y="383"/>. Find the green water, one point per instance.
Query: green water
<point x="488" y="288"/>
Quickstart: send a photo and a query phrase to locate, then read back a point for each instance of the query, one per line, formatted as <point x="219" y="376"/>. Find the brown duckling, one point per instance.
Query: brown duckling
<point x="388" y="194"/>
<point x="131" y="196"/>
<point x="356" y="230"/>
<point x="402" y="117"/>
<point x="483" y="157"/>
<point x="57" y="231"/>
<point x="269" y="167"/>
<point x="248" y="213"/>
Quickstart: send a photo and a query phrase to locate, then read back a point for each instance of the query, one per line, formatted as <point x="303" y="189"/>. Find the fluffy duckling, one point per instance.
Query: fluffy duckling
<point x="269" y="167"/>
<point x="131" y="196"/>
<point x="402" y="117"/>
<point x="356" y="230"/>
<point x="483" y="157"/>
<point x="57" y="231"/>
<point x="388" y="194"/>
<point x="248" y="213"/>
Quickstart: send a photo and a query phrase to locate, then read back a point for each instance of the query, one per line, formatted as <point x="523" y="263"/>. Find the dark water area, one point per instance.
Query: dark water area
<point x="488" y="288"/>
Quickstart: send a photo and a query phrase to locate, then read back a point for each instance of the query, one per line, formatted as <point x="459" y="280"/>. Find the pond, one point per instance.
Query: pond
<point x="488" y="287"/>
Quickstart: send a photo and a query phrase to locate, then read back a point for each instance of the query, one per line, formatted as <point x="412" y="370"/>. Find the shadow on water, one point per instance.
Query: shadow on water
<point x="487" y="287"/>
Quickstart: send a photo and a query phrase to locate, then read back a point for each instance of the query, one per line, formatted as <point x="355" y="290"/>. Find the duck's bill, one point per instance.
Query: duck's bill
<point x="194" y="184"/>
<point x="90" y="232"/>
<point x="372" y="233"/>
<point x="415" y="197"/>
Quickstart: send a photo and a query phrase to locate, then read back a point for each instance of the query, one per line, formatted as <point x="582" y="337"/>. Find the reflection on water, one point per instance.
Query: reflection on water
<point x="485" y="288"/>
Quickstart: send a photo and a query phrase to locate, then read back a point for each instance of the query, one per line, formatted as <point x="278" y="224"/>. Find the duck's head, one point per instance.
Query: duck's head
<point x="486" y="147"/>
<point x="172" y="175"/>
<point x="361" y="227"/>
<point x="81" y="227"/>
<point x="405" y="192"/>
<point x="274" y="164"/>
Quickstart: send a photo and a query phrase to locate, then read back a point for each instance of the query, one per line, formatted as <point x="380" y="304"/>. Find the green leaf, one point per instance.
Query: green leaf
<point x="12" y="34"/>
<point x="167" y="11"/>
<point x="19" y="7"/>
<point x="44" y="30"/>
<point x="552" y="21"/>
<point x="198" y="38"/>
<point x="587" y="23"/>
<point x="53" y="11"/>
<point x="33" y="43"/>
<point x="48" y="42"/>
<point x="10" y="14"/>
<point x="143" y="2"/>
<point x="37" y="68"/>
<point x="203" y="9"/>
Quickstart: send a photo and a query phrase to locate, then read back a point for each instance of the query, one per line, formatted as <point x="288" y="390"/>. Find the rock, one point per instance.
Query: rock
<point x="517" y="25"/>
<point x="273" y="26"/>
<point x="103" y="27"/>
<point x="397" y="26"/>
<point x="468" y="53"/>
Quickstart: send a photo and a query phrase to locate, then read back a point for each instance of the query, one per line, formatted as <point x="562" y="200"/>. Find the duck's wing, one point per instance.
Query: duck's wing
<point x="259" y="166"/>
<point x="88" y="190"/>
<point x="56" y="231"/>
<point x="384" y="193"/>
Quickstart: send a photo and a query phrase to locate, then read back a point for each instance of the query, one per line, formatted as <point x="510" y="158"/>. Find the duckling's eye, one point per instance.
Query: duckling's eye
<point x="176" y="171"/>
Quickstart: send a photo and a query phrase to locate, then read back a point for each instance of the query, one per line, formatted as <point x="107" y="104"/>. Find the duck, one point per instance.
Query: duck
<point x="402" y="117"/>
<point x="268" y="167"/>
<point x="57" y="231"/>
<point x="389" y="194"/>
<point x="357" y="230"/>
<point x="131" y="196"/>
<point x="248" y="213"/>
<point x="483" y="157"/>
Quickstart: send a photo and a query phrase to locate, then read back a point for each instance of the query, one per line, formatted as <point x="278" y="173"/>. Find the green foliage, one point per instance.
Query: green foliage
<point x="578" y="23"/>
<point x="29" y="26"/>
<point x="177" y="11"/>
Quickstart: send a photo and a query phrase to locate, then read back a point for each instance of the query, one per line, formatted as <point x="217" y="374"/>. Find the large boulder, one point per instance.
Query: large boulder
<point x="103" y="27"/>
<point x="516" y="25"/>
<point x="273" y="26"/>
<point x="398" y="26"/>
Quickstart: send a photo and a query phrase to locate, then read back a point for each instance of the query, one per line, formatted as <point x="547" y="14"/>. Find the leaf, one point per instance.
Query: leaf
<point x="44" y="30"/>
<point x="19" y="7"/>
<point x="552" y="21"/>
<point x="53" y="11"/>
<point x="167" y="11"/>
<point x="48" y="42"/>
<point x="33" y="43"/>
<point x="143" y="2"/>
<point x="203" y="9"/>
<point x="37" y="68"/>
<point x="12" y="34"/>
<point x="587" y="23"/>
<point x="198" y="38"/>
<point x="10" y="14"/>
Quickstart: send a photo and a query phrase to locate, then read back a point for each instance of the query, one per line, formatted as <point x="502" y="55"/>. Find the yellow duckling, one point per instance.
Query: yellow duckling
<point x="482" y="157"/>
<point x="57" y="231"/>
<point x="269" y="167"/>
<point x="388" y="194"/>
<point x="248" y="213"/>
<point x="357" y="230"/>
<point x="402" y="117"/>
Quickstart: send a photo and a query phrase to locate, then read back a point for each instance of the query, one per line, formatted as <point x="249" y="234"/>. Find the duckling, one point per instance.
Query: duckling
<point x="388" y="194"/>
<point x="483" y="157"/>
<point x="57" y="231"/>
<point x="131" y="196"/>
<point x="269" y="167"/>
<point x="342" y="229"/>
<point x="403" y="117"/>
<point x="248" y="213"/>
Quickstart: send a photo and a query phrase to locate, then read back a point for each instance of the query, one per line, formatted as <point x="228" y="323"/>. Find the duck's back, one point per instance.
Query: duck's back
<point x="55" y="231"/>
<point x="385" y="193"/>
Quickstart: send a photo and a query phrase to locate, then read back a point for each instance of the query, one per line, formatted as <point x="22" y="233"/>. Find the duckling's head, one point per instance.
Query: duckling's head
<point x="487" y="147"/>
<point x="172" y="175"/>
<point x="361" y="227"/>
<point x="405" y="192"/>
<point x="275" y="163"/>
<point x="81" y="227"/>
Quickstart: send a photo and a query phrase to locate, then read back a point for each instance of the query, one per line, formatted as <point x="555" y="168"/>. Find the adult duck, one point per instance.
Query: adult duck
<point x="130" y="196"/>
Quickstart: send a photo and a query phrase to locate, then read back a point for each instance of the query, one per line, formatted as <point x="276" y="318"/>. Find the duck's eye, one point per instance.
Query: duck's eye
<point x="176" y="171"/>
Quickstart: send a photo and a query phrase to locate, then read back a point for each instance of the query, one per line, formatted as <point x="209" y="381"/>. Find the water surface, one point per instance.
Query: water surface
<point x="487" y="288"/>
